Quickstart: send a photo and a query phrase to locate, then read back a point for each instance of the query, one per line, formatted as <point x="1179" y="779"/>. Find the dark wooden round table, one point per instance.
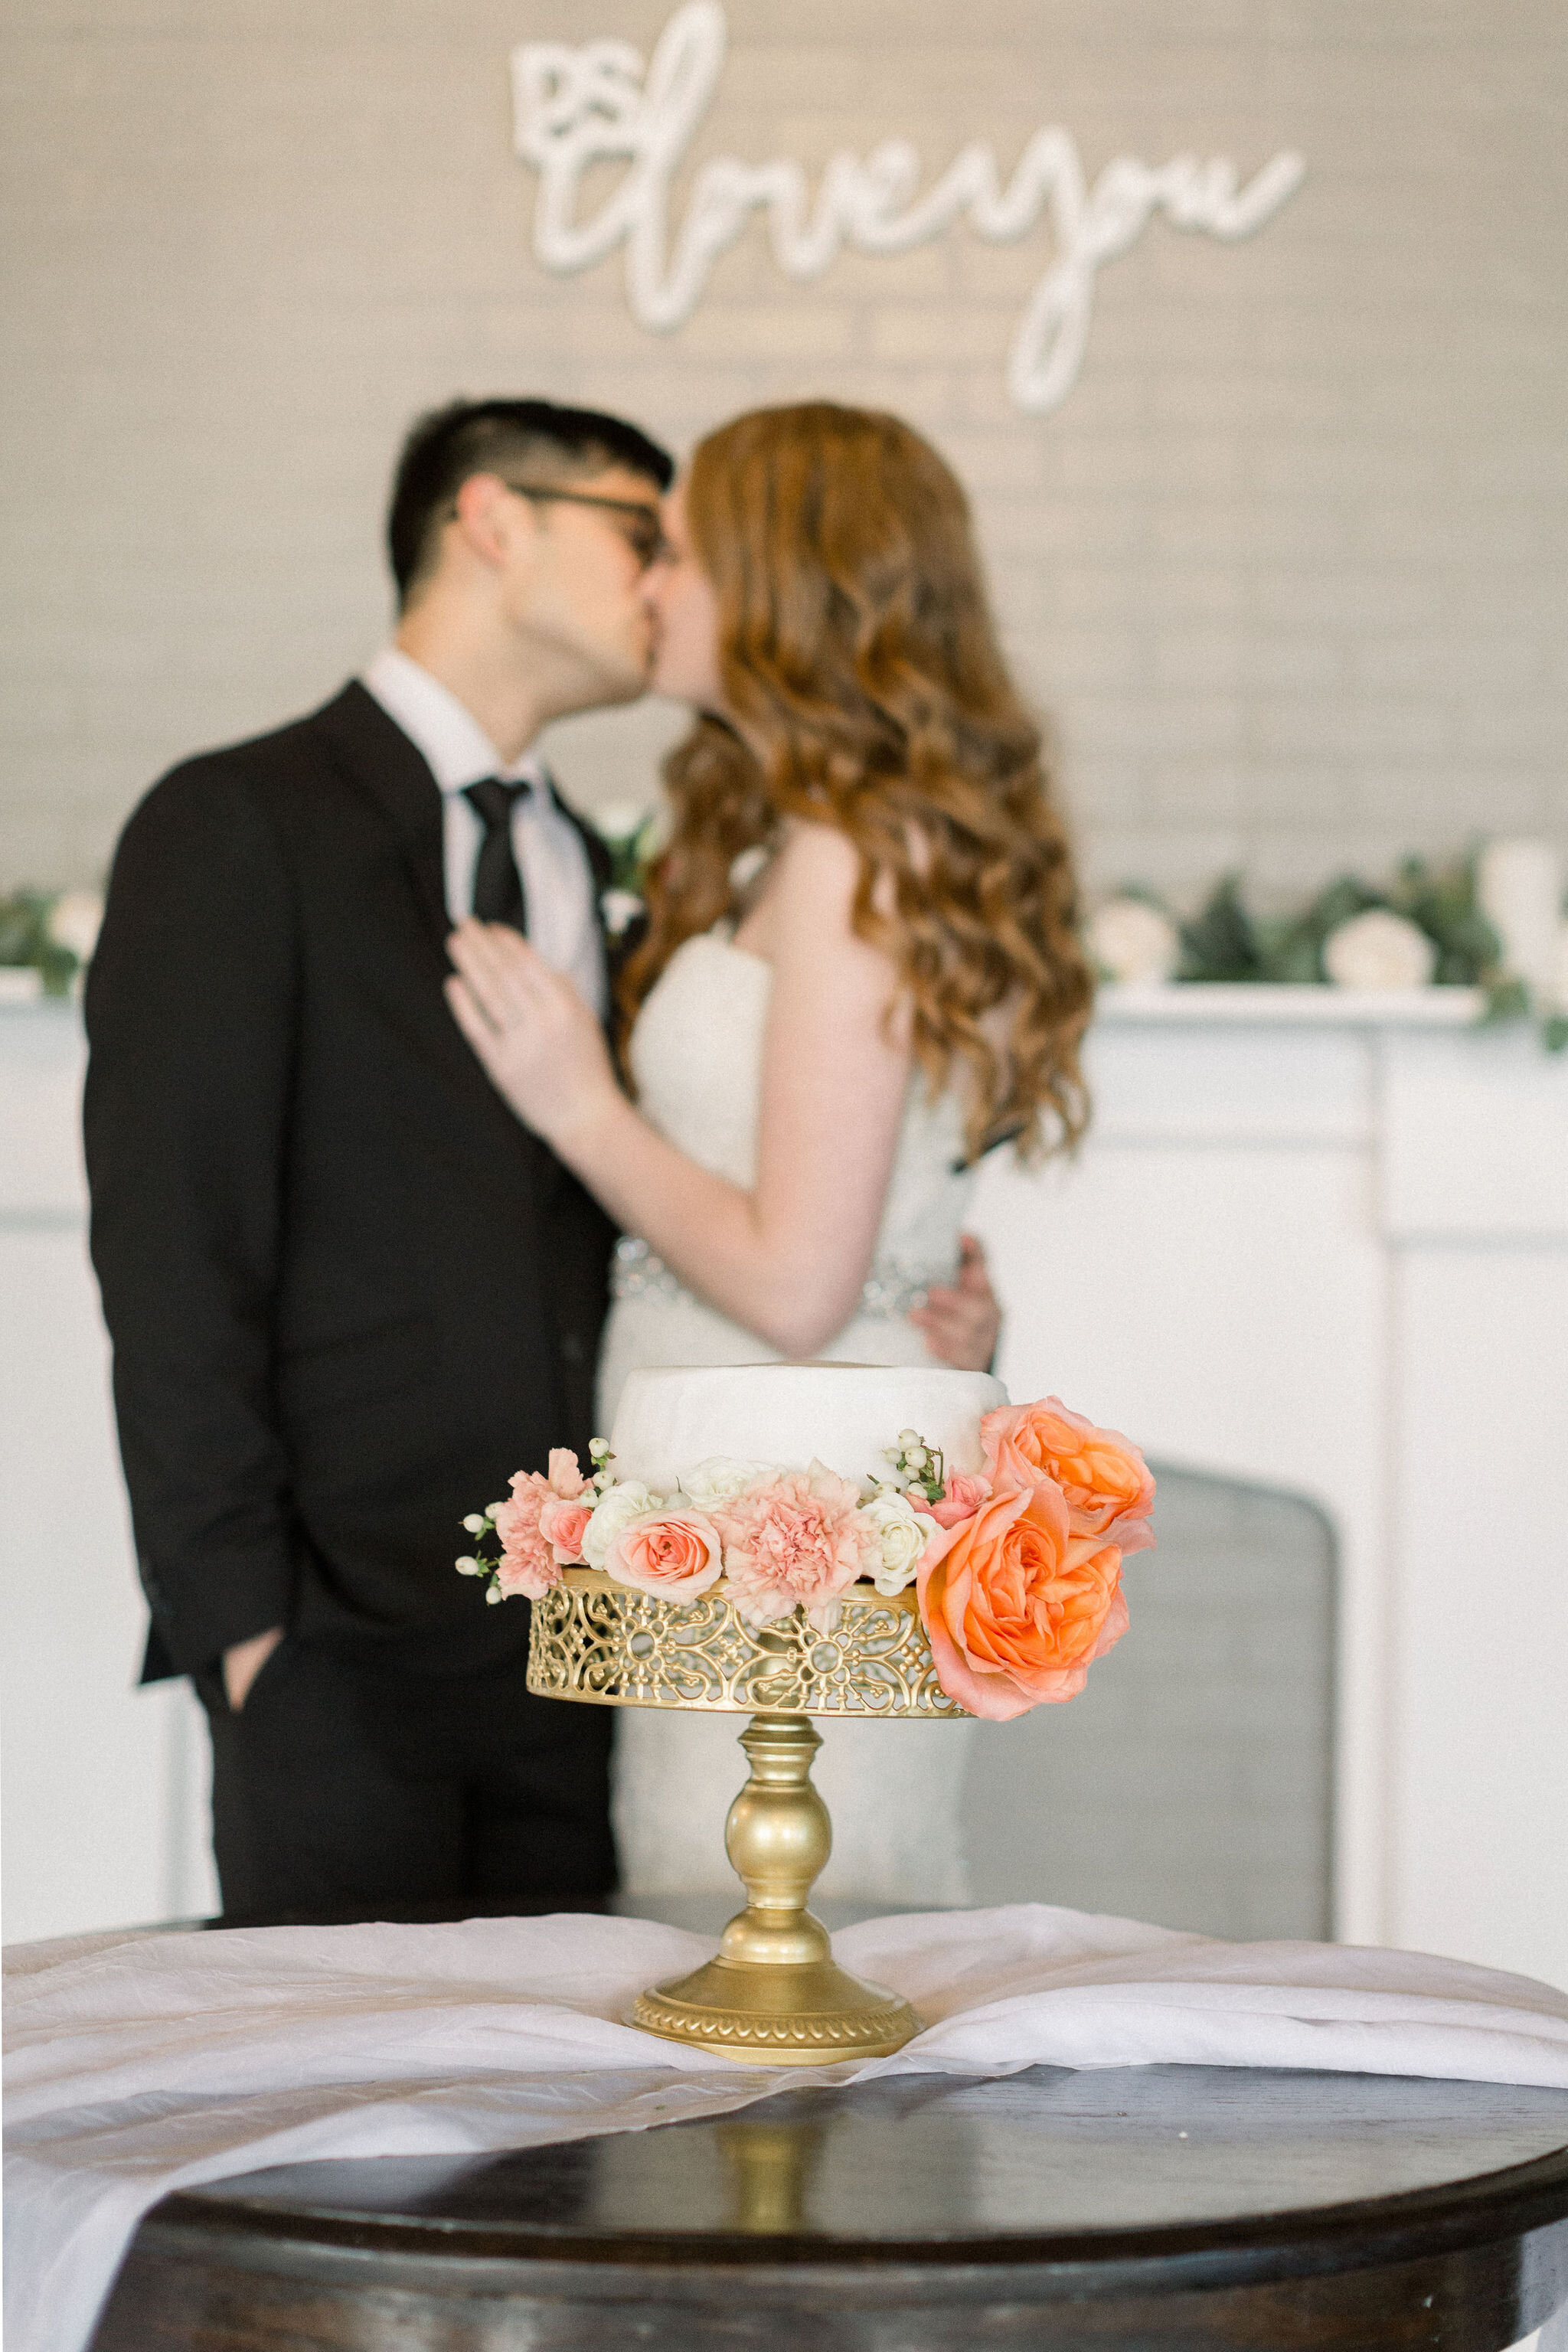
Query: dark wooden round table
<point x="1162" y="2206"/>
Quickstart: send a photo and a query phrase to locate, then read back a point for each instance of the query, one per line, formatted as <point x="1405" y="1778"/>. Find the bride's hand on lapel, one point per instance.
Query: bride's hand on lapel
<point x="788" y="1256"/>
<point x="541" y="1045"/>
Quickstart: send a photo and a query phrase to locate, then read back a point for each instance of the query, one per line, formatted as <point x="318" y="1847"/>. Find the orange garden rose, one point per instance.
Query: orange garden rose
<point x="1016" y="1604"/>
<point x="1109" y="1490"/>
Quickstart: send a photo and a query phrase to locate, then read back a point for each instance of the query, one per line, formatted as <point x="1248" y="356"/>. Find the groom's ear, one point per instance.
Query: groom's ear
<point x="492" y="524"/>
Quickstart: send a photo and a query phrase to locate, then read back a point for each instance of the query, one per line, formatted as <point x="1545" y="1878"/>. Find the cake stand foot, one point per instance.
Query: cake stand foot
<point x="774" y="1996"/>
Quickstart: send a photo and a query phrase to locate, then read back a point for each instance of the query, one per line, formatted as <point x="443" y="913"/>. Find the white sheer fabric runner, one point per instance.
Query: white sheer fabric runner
<point x="140" y="2064"/>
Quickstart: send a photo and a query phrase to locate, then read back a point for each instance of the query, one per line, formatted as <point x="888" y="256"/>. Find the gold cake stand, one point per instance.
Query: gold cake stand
<point x="773" y="1996"/>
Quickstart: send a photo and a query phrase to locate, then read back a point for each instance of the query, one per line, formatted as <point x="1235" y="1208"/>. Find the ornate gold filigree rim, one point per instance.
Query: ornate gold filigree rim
<point x="603" y="1643"/>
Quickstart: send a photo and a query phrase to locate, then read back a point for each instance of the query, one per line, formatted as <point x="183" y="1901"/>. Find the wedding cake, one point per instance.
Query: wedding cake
<point x="736" y="1507"/>
<point x="787" y="1541"/>
<point x="790" y="1415"/>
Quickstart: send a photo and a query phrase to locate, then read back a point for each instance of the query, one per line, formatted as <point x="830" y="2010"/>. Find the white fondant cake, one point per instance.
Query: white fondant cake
<point x="791" y="1414"/>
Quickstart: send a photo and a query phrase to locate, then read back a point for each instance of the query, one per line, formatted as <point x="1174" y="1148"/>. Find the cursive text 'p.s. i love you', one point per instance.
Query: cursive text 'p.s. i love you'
<point x="579" y="107"/>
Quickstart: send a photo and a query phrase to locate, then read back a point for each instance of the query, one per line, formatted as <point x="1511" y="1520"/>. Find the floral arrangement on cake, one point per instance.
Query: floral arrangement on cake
<point x="1016" y="1567"/>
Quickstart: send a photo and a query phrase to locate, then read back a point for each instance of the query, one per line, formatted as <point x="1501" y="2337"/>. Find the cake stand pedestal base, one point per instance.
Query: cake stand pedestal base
<point x="774" y="1996"/>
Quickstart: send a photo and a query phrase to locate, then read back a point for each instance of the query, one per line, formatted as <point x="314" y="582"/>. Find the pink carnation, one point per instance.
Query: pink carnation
<point x="563" y="1477"/>
<point x="674" y="1555"/>
<point x="799" y="1537"/>
<point x="963" y="1497"/>
<point x="526" y="1572"/>
<point x="528" y="1564"/>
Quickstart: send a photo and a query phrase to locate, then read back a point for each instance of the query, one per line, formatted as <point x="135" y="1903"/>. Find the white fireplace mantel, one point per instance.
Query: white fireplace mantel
<point x="1315" y="1240"/>
<point x="1233" y="1004"/>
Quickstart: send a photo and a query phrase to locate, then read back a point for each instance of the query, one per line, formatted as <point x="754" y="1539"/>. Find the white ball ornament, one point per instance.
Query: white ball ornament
<point x="1379" y="950"/>
<point x="74" y="921"/>
<point x="1133" y="942"/>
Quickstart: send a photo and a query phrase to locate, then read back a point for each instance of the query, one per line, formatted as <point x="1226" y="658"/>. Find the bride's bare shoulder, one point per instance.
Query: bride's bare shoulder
<point x="807" y="889"/>
<point x="817" y="863"/>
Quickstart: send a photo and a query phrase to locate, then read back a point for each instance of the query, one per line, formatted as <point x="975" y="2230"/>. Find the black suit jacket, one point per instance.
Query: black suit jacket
<point x="349" y="1294"/>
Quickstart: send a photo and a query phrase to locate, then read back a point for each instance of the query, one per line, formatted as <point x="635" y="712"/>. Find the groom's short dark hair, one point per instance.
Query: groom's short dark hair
<point x="499" y="436"/>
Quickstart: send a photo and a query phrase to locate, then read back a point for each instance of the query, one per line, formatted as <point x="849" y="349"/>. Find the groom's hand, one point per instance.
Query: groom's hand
<point x="963" y="1320"/>
<point x="244" y="1662"/>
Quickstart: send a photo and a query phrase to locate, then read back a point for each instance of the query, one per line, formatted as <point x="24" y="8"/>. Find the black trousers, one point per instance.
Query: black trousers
<point x="359" y="1782"/>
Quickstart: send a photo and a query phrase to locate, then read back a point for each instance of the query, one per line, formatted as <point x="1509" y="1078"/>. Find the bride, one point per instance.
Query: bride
<point x="860" y="971"/>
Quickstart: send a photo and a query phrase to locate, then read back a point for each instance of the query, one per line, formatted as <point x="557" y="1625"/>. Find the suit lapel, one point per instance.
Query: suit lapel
<point x="376" y="755"/>
<point x="602" y="866"/>
<point x="595" y="844"/>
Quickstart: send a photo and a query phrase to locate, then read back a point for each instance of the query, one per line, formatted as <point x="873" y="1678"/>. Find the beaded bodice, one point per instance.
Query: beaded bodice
<point x="697" y="1057"/>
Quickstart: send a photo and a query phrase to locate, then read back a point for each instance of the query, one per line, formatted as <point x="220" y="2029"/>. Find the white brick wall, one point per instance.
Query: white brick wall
<point x="1287" y="570"/>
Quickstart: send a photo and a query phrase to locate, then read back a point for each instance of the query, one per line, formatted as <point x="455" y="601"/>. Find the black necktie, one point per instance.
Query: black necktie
<point x="497" y="884"/>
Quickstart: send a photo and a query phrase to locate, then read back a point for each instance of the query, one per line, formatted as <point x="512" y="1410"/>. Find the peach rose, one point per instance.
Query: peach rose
<point x="1109" y="1490"/>
<point x="561" y="1524"/>
<point x="963" y="1498"/>
<point x="1017" y="1606"/>
<point x="675" y="1555"/>
<point x="799" y="1537"/>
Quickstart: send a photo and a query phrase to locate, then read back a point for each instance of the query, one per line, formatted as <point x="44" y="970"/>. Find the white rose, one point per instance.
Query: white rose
<point x="1378" y="949"/>
<point x="620" y="909"/>
<point x="621" y="821"/>
<point x="903" y="1535"/>
<point x="74" y="921"/>
<point x="615" y="1510"/>
<point x="1133" y="942"/>
<point x="720" y="1479"/>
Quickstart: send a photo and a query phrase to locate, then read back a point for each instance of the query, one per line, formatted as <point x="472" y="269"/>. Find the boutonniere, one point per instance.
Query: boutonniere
<point x="628" y="833"/>
<point x="619" y="909"/>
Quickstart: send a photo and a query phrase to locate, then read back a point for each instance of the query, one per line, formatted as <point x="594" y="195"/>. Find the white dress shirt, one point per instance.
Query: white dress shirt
<point x="557" y="880"/>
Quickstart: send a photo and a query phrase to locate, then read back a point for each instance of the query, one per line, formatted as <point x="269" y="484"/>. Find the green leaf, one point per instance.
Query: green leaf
<point x="1507" y="999"/>
<point x="23" y="935"/>
<point x="1220" y="944"/>
<point x="25" y="940"/>
<point x="1444" y="906"/>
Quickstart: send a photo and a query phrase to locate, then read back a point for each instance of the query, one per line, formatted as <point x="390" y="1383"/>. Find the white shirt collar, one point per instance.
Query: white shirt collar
<point x="455" y="745"/>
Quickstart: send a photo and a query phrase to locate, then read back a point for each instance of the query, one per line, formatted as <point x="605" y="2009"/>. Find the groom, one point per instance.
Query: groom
<point x="349" y="1294"/>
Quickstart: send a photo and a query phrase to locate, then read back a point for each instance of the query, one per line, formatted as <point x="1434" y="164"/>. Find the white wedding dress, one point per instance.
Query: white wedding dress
<point x="892" y="1788"/>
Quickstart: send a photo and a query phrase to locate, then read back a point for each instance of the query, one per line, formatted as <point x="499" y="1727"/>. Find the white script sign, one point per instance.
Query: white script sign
<point x="578" y="107"/>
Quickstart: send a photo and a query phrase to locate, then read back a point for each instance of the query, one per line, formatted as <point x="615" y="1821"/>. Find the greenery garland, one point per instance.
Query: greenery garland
<point x="28" y="943"/>
<point x="1225" y="941"/>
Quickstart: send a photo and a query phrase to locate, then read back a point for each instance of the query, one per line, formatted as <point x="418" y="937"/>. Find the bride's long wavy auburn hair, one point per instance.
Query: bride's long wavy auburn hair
<point x="857" y="652"/>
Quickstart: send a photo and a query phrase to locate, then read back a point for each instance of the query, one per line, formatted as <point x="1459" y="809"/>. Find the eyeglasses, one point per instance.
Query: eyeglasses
<point x="639" y="523"/>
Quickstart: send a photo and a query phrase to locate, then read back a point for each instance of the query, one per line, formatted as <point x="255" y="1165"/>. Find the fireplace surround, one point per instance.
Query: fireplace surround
<point x="1316" y="1243"/>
